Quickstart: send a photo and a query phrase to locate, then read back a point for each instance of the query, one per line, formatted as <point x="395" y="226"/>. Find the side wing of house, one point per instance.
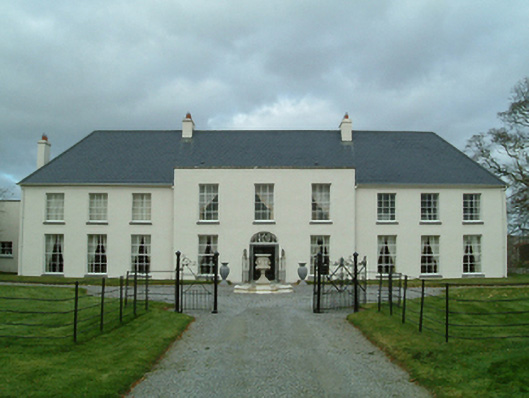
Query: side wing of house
<point x="9" y="232"/>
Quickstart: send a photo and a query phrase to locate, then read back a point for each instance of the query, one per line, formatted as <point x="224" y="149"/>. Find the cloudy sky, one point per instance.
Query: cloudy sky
<point x="70" y="67"/>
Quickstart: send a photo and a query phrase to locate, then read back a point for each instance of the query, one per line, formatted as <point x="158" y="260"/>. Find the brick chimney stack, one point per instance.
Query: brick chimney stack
<point x="43" y="151"/>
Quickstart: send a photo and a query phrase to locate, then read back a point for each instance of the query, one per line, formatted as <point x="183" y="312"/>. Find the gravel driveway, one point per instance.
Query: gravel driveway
<point x="274" y="346"/>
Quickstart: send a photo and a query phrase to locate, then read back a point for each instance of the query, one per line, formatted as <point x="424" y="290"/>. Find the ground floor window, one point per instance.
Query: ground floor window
<point x="472" y="253"/>
<point x="387" y="254"/>
<point x="207" y="246"/>
<point x="319" y="243"/>
<point x="141" y="253"/>
<point x="97" y="254"/>
<point x="429" y="254"/>
<point x="53" y="256"/>
<point x="6" y="249"/>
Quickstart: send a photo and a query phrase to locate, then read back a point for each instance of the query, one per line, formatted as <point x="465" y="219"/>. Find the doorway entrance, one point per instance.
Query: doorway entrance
<point x="264" y="243"/>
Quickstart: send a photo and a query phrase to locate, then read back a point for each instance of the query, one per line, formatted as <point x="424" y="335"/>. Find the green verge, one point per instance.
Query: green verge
<point x="100" y="365"/>
<point x="462" y="367"/>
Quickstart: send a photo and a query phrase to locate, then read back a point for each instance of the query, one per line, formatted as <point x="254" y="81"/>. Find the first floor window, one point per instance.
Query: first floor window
<point x="429" y="206"/>
<point x="141" y="253"/>
<point x="97" y="254"/>
<point x="6" y="249"/>
<point x="54" y="207"/>
<point x="98" y="207"/>
<point x="386" y="207"/>
<point x="319" y="244"/>
<point x="207" y="246"/>
<point x="321" y="202"/>
<point x="141" y="207"/>
<point x="387" y="254"/>
<point x="53" y="257"/>
<point x="264" y="202"/>
<point x="472" y="253"/>
<point x="471" y="206"/>
<point x="429" y="254"/>
<point x="208" y="202"/>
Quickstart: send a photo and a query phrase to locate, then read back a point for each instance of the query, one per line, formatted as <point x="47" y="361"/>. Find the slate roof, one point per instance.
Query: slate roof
<point x="149" y="157"/>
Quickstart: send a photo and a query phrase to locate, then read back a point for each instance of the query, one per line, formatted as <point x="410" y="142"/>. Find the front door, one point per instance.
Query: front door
<point x="264" y="249"/>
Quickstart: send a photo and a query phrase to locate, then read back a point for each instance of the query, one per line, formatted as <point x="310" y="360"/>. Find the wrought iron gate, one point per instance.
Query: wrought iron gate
<point x="342" y="284"/>
<point x="192" y="293"/>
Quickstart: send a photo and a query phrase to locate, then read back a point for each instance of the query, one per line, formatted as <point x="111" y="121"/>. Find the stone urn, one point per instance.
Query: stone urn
<point x="302" y="273"/>
<point x="224" y="271"/>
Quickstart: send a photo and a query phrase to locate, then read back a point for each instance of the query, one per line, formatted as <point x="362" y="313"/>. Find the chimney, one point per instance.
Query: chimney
<point x="43" y="151"/>
<point x="188" y="126"/>
<point x="346" y="128"/>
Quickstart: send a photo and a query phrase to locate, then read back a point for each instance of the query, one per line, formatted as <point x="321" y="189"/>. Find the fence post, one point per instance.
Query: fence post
<point x="319" y="265"/>
<point x="446" y="318"/>
<point x="102" y="321"/>
<point x="422" y="306"/>
<point x="390" y="290"/>
<point x="121" y="299"/>
<point x="404" y="299"/>
<point x="177" y="283"/>
<point x="146" y="291"/>
<point x="215" y="281"/>
<point x="126" y="288"/>
<point x="380" y="292"/>
<point x="135" y="288"/>
<point x="355" y="257"/>
<point x="75" y="308"/>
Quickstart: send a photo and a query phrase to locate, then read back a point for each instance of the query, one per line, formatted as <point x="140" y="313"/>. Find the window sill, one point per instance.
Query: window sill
<point x="56" y="274"/>
<point x="473" y="275"/>
<point x="208" y="222"/>
<point x="94" y="275"/>
<point x="430" y="276"/>
<point x="428" y="222"/>
<point x="97" y="223"/>
<point x="389" y="222"/>
<point x="140" y="223"/>
<point x="320" y="222"/>
<point x="49" y="222"/>
<point x="471" y="222"/>
<point x="6" y="256"/>
<point x="264" y="222"/>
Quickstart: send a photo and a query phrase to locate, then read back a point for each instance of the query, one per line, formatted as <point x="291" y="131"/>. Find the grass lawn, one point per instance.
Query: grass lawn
<point x="99" y="365"/>
<point x="494" y="367"/>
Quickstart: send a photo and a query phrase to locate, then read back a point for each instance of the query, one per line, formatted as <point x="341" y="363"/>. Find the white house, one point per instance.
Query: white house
<point x="9" y="230"/>
<point x="406" y="200"/>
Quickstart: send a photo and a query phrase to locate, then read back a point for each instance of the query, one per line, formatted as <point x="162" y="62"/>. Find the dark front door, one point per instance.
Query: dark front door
<point x="264" y="249"/>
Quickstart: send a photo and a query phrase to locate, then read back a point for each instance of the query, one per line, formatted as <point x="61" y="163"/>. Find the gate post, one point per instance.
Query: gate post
<point x="319" y="261"/>
<point x="215" y="281"/>
<point x="177" y="283"/>
<point x="355" y="257"/>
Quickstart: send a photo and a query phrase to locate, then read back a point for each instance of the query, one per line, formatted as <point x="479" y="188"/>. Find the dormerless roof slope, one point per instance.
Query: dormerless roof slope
<point x="149" y="157"/>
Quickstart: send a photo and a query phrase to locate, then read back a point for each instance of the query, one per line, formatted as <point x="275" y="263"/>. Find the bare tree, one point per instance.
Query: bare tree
<point x="505" y="152"/>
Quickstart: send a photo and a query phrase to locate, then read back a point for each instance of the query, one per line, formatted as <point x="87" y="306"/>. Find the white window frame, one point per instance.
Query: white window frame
<point x="54" y="254"/>
<point x="386" y="253"/>
<point x="55" y="207"/>
<point x="315" y="249"/>
<point x="430" y="264"/>
<point x="321" y="202"/>
<point x="472" y="254"/>
<point x="264" y="202"/>
<point x="141" y="207"/>
<point x="208" y="202"/>
<point x="6" y="249"/>
<point x="98" y="207"/>
<point x="386" y="207"/>
<point x="140" y="260"/>
<point x="93" y="266"/>
<point x="471" y="207"/>
<point x="205" y="256"/>
<point x="429" y="207"/>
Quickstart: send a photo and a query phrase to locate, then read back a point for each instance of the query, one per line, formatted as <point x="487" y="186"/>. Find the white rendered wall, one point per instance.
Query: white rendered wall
<point x="409" y="229"/>
<point x="76" y="229"/>
<point x="292" y="207"/>
<point x="9" y="231"/>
